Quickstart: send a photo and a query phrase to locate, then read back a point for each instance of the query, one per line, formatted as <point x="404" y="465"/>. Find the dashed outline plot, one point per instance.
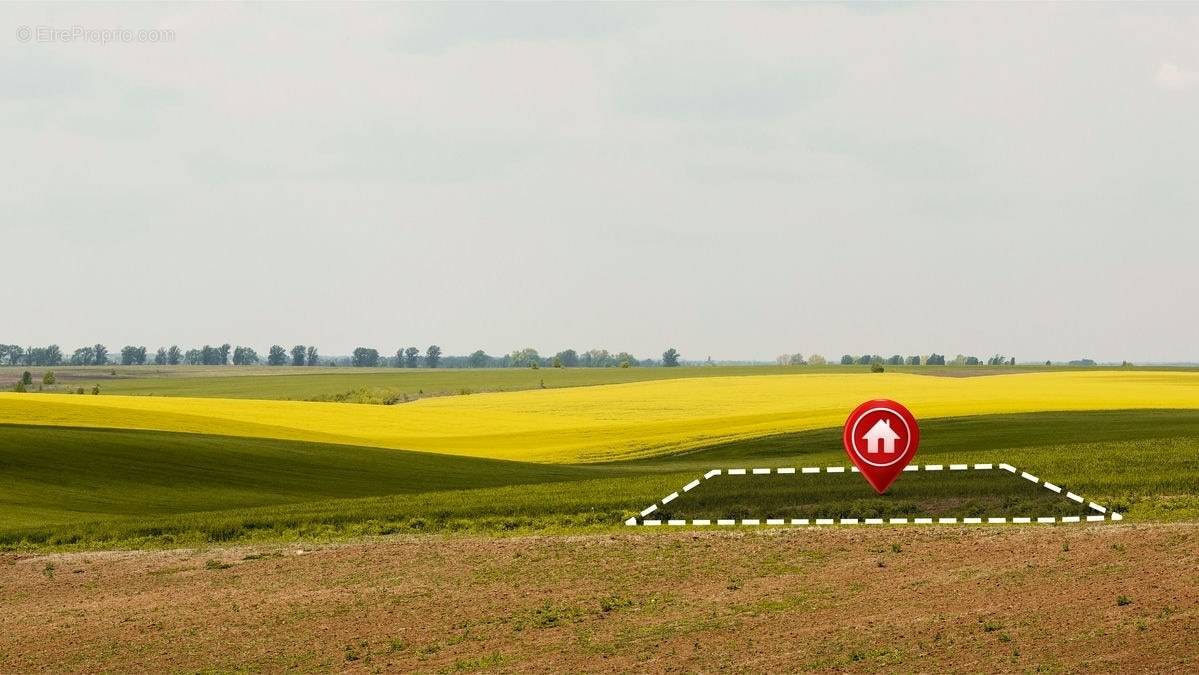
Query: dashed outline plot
<point x="1101" y="514"/>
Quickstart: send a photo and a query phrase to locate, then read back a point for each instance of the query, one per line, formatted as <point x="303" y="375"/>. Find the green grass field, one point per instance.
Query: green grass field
<point x="377" y="385"/>
<point x="83" y="488"/>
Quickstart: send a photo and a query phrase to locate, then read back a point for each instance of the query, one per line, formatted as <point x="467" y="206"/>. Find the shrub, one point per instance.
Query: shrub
<point x="26" y="378"/>
<point x="48" y="378"/>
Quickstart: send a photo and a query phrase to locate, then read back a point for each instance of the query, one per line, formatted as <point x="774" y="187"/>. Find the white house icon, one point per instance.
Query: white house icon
<point x="882" y="435"/>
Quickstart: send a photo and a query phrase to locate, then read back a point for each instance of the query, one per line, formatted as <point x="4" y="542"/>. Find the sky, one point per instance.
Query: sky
<point x="734" y="180"/>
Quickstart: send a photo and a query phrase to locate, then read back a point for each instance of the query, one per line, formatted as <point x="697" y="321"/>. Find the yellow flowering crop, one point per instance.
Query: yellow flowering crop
<point x="588" y="424"/>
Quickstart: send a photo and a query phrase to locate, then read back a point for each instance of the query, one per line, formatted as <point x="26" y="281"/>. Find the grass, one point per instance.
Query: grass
<point x="64" y="488"/>
<point x="371" y="385"/>
<point x="63" y="475"/>
<point x="394" y="385"/>
<point x="597" y="424"/>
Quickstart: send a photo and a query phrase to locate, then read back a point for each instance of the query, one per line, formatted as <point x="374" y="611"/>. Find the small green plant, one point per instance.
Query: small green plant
<point x="613" y="602"/>
<point x="991" y="626"/>
<point x="493" y="660"/>
<point x="896" y="548"/>
<point x="876" y="368"/>
<point x="1122" y="601"/>
<point x="397" y="645"/>
<point x="48" y="378"/>
<point x="96" y="390"/>
<point x="48" y="570"/>
<point x="214" y="564"/>
<point x="1004" y="637"/>
<point x="79" y="390"/>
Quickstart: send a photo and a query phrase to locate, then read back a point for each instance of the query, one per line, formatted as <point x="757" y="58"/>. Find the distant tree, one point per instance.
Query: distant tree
<point x="524" y="358"/>
<point x="568" y="357"/>
<point x="313" y="358"/>
<point x="972" y="361"/>
<point x="913" y="360"/>
<point x="53" y="355"/>
<point x="365" y="357"/>
<point x="597" y="358"/>
<point x="100" y="355"/>
<point x="84" y="356"/>
<point x="245" y="356"/>
<point x="876" y="367"/>
<point x="997" y="360"/>
<point x="846" y="360"/>
<point x="863" y="360"/>
<point x="95" y="390"/>
<point x="433" y="356"/>
<point x="411" y="355"/>
<point x="48" y="378"/>
<point x="783" y="359"/>
<point x="174" y="356"/>
<point x="133" y="356"/>
<point x="670" y="358"/>
<point x="223" y="354"/>
<point x="277" y="356"/>
<point x="816" y="360"/>
<point x="478" y="359"/>
<point x="160" y="357"/>
<point x="557" y="361"/>
<point x="624" y="357"/>
<point x="13" y="353"/>
<point x="193" y="357"/>
<point x="26" y="377"/>
<point x="211" y="356"/>
<point x="1012" y="362"/>
<point x="297" y="355"/>
<point x="934" y="359"/>
<point x="1048" y="363"/>
<point x="895" y="360"/>
<point x="399" y="360"/>
<point x="797" y="359"/>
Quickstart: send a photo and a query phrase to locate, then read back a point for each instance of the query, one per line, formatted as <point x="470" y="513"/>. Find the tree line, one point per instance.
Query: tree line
<point x="308" y="355"/>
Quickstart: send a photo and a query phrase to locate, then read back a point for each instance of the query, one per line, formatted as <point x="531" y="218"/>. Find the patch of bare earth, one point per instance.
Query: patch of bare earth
<point x="1089" y="598"/>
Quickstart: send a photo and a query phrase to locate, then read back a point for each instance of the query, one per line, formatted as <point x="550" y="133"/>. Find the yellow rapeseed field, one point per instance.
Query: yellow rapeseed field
<point x="589" y="424"/>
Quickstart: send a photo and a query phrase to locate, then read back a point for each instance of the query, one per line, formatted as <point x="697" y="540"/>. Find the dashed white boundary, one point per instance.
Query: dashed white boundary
<point x="1102" y="512"/>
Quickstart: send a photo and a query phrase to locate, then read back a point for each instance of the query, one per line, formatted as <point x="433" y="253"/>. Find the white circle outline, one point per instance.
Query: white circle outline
<point x="853" y="436"/>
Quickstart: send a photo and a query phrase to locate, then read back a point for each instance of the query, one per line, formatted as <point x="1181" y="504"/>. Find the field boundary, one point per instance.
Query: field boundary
<point x="1102" y="513"/>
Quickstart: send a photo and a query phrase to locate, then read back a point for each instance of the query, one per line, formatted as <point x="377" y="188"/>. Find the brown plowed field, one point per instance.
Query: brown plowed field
<point x="1075" y="598"/>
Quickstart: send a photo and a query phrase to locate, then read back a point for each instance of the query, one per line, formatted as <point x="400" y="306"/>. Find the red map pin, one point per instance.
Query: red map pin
<point x="881" y="437"/>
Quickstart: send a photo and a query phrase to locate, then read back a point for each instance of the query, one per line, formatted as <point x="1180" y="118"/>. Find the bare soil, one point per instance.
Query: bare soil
<point x="1097" y="598"/>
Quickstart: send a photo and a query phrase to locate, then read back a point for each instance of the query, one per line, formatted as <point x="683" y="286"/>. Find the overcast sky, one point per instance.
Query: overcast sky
<point x="733" y="180"/>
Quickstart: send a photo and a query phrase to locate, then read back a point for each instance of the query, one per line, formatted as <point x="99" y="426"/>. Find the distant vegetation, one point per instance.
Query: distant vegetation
<point x="432" y="357"/>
